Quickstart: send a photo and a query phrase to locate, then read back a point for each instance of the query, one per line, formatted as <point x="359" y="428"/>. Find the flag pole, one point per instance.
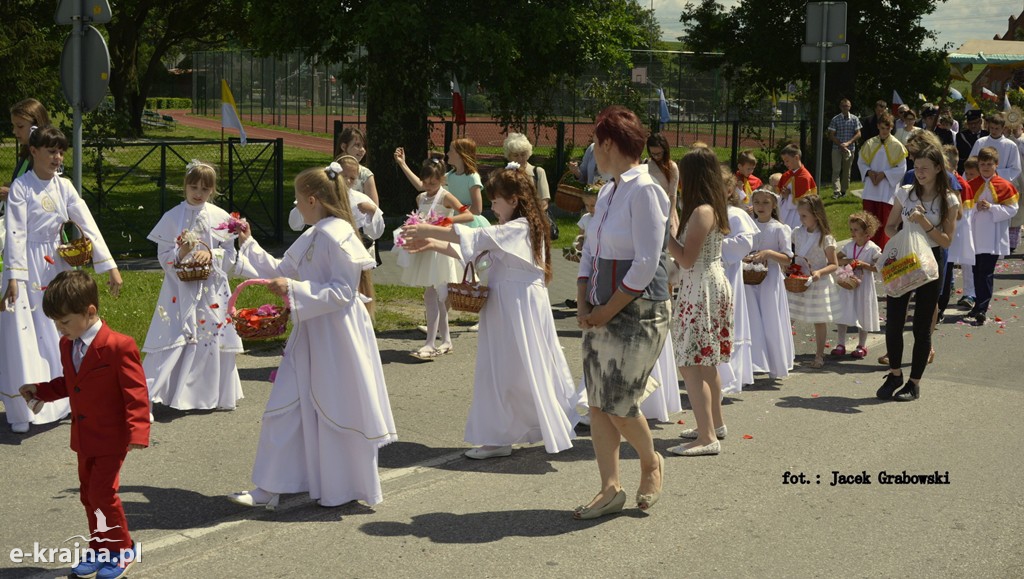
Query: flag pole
<point x="222" y="146"/>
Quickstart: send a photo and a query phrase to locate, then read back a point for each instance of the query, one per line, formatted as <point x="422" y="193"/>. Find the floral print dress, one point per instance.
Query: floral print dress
<point x="702" y="325"/>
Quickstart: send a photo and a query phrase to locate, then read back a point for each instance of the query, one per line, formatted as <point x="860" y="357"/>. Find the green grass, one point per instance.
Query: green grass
<point x="399" y="308"/>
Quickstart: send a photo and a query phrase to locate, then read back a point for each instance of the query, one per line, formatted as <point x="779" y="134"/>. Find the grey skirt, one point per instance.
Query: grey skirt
<point x="618" y="358"/>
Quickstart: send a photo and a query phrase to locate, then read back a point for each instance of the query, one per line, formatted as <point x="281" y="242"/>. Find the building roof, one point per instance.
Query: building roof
<point x="990" y="52"/>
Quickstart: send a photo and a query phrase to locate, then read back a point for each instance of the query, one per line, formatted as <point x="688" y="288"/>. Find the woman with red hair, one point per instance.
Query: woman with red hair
<point x="622" y="291"/>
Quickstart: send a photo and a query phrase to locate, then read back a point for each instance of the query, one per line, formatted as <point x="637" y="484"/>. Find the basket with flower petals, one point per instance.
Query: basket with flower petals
<point x="469" y="295"/>
<point x="262" y="323"/>
<point x="76" y="252"/>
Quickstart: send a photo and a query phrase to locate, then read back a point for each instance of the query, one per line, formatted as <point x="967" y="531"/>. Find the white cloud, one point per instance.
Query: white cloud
<point x="954" y="21"/>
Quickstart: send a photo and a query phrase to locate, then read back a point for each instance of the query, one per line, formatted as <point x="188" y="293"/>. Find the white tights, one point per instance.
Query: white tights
<point x="437" y="318"/>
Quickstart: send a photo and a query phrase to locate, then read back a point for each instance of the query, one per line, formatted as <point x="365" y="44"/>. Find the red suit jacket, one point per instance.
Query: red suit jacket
<point x="803" y="182"/>
<point x="108" y="395"/>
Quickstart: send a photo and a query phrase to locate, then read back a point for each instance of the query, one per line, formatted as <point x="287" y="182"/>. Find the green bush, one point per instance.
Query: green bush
<point x="164" y="103"/>
<point x="478" y="103"/>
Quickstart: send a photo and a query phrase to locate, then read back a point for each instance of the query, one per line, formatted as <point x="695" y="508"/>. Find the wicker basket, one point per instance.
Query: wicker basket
<point x="249" y="324"/>
<point x="192" y="271"/>
<point x="751" y="277"/>
<point x="468" y="295"/>
<point x="796" y="284"/>
<point x="850" y="283"/>
<point x="567" y="197"/>
<point x="76" y="252"/>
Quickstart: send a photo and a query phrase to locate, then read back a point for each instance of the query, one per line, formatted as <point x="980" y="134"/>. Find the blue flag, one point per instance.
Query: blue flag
<point x="663" y="107"/>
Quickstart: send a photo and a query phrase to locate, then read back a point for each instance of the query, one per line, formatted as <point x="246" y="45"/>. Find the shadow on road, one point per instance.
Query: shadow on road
<point x="488" y="527"/>
<point x="839" y="404"/>
<point x="9" y="438"/>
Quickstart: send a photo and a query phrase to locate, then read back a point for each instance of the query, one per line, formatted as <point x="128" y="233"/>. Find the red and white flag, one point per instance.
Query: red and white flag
<point x="896" y="102"/>
<point x="458" y="109"/>
<point x="989" y="95"/>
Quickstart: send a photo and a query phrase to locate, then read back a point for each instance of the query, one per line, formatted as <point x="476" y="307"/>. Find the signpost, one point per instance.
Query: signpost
<point x="84" y="66"/>
<point x="824" y="42"/>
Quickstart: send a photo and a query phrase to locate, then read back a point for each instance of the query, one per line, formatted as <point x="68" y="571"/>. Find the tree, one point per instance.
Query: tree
<point x="521" y="51"/>
<point x="143" y="32"/>
<point x="30" y="47"/>
<point x="761" y="42"/>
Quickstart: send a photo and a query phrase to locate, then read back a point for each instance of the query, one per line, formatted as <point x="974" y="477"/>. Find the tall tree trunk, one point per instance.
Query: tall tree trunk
<point x="396" y="116"/>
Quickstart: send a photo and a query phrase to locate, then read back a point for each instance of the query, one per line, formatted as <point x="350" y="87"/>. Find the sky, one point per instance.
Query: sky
<point x="954" y="21"/>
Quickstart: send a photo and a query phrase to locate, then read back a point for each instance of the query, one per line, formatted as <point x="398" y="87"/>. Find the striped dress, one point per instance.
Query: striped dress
<point x="820" y="303"/>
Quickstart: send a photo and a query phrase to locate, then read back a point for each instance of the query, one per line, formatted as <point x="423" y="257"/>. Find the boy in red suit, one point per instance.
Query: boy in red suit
<point x="795" y="183"/>
<point x="109" y="414"/>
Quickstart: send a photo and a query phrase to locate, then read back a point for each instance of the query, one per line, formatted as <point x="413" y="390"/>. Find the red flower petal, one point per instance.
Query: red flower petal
<point x="214" y="306"/>
<point x="680" y="422"/>
<point x="174" y="299"/>
<point x="747" y="437"/>
<point x="998" y="319"/>
<point x="48" y="259"/>
<point x="201" y="322"/>
<point x="967" y="336"/>
<point x="815" y="395"/>
<point x="1014" y="292"/>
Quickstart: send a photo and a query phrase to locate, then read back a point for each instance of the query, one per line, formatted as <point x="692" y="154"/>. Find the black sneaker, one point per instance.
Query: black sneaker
<point x="966" y="302"/>
<point x="889" y="387"/>
<point x="570" y="304"/>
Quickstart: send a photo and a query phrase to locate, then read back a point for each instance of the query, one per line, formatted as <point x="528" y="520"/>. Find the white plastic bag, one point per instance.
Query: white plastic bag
<point x="907" y="262"/>
<point x="404" y="258"/>
<point x="3" y="225"/>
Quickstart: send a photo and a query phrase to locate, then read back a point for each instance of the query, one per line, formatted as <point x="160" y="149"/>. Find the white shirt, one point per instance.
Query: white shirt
<point x="932" y="209"/>
<point x="629" y="223"/>
<point x="1009" y="156"/>
<point x="991" y="227"/>
<point x="87" y="337"/>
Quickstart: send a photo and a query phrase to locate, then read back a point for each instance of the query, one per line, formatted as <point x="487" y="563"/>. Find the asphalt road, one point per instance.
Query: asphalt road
<point x="725" y="516"/>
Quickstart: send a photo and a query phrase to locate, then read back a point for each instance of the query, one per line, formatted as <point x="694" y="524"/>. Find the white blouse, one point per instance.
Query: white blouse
<point x="629" y="224"/>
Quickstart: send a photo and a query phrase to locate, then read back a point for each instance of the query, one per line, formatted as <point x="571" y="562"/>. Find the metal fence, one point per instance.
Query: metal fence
<point x="130" y="185"/>
<point x="557" y="143"/>
<point x="307" y="94"/>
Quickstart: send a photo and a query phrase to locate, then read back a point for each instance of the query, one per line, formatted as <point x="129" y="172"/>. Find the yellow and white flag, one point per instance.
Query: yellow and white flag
<point x="228" y="113"/>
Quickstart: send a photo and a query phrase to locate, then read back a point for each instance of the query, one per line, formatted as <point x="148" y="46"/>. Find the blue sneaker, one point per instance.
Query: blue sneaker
<point x="88" y="566"/>
<point x="118" y="565"/>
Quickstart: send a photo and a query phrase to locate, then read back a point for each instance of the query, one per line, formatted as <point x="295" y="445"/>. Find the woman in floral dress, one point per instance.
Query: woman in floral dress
<point x="702" y="325"/>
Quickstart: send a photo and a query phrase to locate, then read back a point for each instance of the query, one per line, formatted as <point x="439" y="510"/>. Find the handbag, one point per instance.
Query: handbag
<point x="551" y="219"/>
<point x="908" y="262"/>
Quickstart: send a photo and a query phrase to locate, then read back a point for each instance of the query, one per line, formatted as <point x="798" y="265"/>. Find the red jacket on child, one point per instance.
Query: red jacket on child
<point x="108" y="395"/>
<point x="802" y="181"/>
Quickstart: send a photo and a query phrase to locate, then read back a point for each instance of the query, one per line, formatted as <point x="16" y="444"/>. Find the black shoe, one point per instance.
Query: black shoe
<point x="889" y="386"/>
<point x="908" y="393"/>
<point x="570" y="304"/>
<point x="975" y="318"/>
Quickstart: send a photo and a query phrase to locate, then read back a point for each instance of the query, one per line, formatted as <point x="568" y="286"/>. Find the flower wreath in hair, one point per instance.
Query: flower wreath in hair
<point x="333" y="170"/>
<point x="769" y="191"/>
<point x="195" y="164"/>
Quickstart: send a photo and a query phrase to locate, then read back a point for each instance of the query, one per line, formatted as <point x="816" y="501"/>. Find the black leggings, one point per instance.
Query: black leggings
<point x="924" y="310"/>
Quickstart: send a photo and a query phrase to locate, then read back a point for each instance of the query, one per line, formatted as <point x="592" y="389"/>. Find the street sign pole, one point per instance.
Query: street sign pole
<point x="824" y="42"/>
<point x="77" y="32"/>
<point x="821" y="93"/>
<point x="84" y="67"/>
